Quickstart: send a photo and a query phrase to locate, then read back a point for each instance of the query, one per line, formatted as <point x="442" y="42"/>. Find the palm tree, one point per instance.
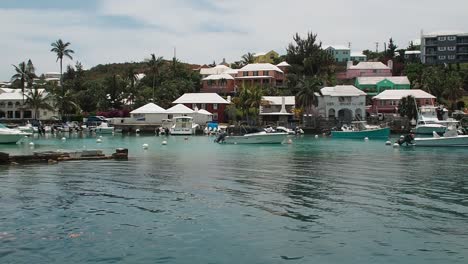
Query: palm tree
<point x="307" y="90"/>
<point x="407" y="107"/>
<point x="37" y="99"/>
<point x="132" y="77"/>
<point x="248" y="58"/>
<point x="21" y="75"/>
<point x="67" y="102"/>
<point x="154" y="65"/>
<point x="453" y="88"/>
<point x="61" y="50"/>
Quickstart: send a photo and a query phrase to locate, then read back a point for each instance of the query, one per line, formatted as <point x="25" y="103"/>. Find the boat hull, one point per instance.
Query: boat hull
<point x="458" y="141"/>
<point x="11" y="138"/>
<point x="182" y="131"/>
<point x="382" y="133"/>
<point x="264" y="138"/>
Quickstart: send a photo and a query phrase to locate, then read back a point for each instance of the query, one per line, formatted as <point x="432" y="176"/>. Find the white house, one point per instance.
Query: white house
<point x="343" y="102"/>
<point x="12" y="107"/>
<point x="149" y="113"/>
<point x="277" y="108"/>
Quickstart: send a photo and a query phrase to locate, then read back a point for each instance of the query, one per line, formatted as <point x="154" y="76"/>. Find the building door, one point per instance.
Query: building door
<point x="345" y="115"/>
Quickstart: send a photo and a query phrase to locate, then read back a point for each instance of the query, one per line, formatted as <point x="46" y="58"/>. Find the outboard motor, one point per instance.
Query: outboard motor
<point x="408" y="139"/>
<point x="220" y="138"/>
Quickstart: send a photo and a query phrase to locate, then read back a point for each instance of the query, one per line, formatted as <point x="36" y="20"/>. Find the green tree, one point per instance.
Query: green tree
<point x="306" y="56"/>
<point x="248" y="58"/>
<point x="453" y="90"/>
<point x="408" y="107"/>
<point x="61" y="49"/>
<point x="432" y="81"/>
<point x="154" y="64"/>
<point x="21" y="76"/>
<point x="391" y="48"/>
<point x="308" y="88"/>
<point x="38" y="99"/>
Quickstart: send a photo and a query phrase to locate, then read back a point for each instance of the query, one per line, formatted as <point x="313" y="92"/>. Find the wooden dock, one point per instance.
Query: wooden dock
<point x="59" y="156"/>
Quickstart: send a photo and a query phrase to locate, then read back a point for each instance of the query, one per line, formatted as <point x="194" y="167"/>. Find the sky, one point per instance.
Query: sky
<point x="203" y="31"/>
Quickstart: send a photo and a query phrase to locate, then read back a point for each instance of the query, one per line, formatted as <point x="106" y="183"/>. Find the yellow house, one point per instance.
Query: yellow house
<point x="266" y="57"/>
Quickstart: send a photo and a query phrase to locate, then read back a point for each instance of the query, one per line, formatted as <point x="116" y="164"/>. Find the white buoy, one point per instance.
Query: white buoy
<point x="31" y="144"/>
<point x="366" y="139"/>
<point x="402" y="136"/>
<point x="316" y="136"/>
<point x="100" y="136"/>
<point x="98" y="140"/>
<point x="145" y="146"/>
<point x="396" y="145"/>
<point x="137" y="130"/>
<point x="289" y="141"/>
<point x="64" y="139"/>
<point x="388" y="143"/>
<point x="164" y="142"/>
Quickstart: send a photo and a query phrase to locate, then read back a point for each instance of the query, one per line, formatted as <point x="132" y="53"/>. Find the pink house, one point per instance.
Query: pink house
<point x="389" y="100"/>
<point x="260" y="74"/>
<point x="367" y="69"/>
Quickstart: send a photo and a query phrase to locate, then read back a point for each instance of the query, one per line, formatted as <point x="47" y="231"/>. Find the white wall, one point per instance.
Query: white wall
<point x="325" y="103"/>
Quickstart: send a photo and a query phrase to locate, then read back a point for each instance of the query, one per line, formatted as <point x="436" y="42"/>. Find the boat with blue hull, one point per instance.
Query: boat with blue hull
<point x="361" y="130"/>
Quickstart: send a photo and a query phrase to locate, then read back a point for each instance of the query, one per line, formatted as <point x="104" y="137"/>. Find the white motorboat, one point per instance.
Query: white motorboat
<point x="8" y="135"/>
<point x="183" y="125"/>
<point x="28" y="128"/>
<point x="104" y="128"/>
<point x="432" y="119"/>
<point x="449" y="139"/>
<point x="254" y="138"/>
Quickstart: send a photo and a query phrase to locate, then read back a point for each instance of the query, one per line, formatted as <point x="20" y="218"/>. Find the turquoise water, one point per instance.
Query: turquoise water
<point x="193" y="201"/>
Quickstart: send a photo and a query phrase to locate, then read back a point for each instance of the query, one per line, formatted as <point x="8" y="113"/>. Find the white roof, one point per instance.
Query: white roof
<point x="283" y="64"/>
<point x="342" y="90"/>
<point x="231" y="71"/>
<point x="260" y="54"/>
<point x="375" y="80"/>
<point x="148" y="109"/>
<point x="444" y="33"/>
<point x="278" y="100"/>
<point x="260" y="67"/>
<point x="219" y="77"/>
<point x="412" y="52"/>
<point x="200" y="98"/>
<point x="179" y="109"/>
<point x="218" y="69"/>
<point x="357" y="54"/>
<point x="204" y="112"/>
<point x="140" y="76"/>
<point x="398" y="94"/>
<point x="16" y="94"/>
<point x="336" y="47"/>
<point x="369" y="65"/>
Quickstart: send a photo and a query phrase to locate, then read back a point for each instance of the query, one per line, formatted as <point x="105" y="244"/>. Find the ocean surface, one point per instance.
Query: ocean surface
<point x="194" y="201"/>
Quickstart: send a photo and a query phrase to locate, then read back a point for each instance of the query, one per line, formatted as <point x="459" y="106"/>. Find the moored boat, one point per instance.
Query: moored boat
<point x="449" y="139"/>
<point x="255" y="138"/>
<point x="361" y="130"/>
<point x="183" y="125"/>
<point x="8" y="135"/>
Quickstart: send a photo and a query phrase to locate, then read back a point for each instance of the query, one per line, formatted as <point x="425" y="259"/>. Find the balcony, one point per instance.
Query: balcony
<point x="462" y="51"/>
<point x="431" y="43"/>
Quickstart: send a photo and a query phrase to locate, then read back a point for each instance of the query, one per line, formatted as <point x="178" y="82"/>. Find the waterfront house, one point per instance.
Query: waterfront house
<point x="199" y="116"/>
<point x="264" y="74"/>
<point x="266" y="57"/>
<point x="149" y="113"/>
<point x="342" y="102"/>
<point x="211" y="102"/>
<point x="284" y="66"/>
<point x="219" y="83"/>
<point x="388" y="100"/>
<point x="358" y="56"/>
<point x="413" y="55"/>
<point x="277" y="109"/>
<point x="368" y="69"/>
<point x="12" y="107"/>
<point x="375" y="85"/>
<point x="338" y="52"/>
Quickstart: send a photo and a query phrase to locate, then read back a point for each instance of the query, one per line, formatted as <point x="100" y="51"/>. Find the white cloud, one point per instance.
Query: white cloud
<point x="209" y="30"/>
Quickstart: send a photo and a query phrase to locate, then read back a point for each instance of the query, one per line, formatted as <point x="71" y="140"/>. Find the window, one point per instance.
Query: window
<point x="27" y="114"/>
<point x="215" y="116"/>
<point x="10" y="105"/>
<point x="382" y="102"/>
<point x="2" y="104"/>
<point x="194" y="106"/>
<point x="255" y="73"/>
<point x="441" y="38"/>
<point x="245" y="73"/>
<point x="203" y="106"/>
<point x="442" y="48"/>
<point x="441" y="57"/>
<point x="265" y="73"/>
<point x="451" y="48"/>
<point x="452" y="38"/>
<point x="17" y="114"/>
<point x="10" y="114"/>
<point x="428" y="102"/>
<point x="215" y="106"/>
<point x="451" y="57"/>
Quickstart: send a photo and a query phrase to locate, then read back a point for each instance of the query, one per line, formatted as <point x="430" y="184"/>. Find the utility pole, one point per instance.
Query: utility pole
<point x="349" y="45"/>
<point x="377" y="47"/>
